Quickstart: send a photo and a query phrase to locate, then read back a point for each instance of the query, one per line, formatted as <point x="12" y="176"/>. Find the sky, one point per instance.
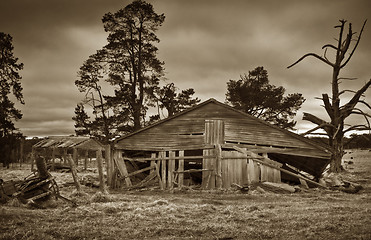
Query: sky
<point x="203" y="44"/>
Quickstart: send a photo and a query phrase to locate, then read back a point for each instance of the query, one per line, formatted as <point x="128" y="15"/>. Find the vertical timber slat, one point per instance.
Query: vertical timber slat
<point x="181" y="169"/>
<point x="171" y="169"/>
<point x="163" y="168"/>
<point x="102" y="185"/>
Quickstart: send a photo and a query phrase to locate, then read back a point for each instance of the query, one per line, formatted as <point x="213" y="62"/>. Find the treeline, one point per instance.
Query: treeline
<point x="354" y="141"/>
<point x="16" y="150"/>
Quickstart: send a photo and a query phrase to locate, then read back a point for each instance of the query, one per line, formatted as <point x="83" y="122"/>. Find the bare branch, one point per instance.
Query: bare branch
<point x="344" y="78"/>
<point x="344" y="91"/>
<point x="313" y="55"/>
<point x="355" y="46"/>
<point x="360" y="112"/>
<point x="329" y="46"/>
<point x="363" y="102"/>
<point x="348" y="108"/>
<point x="328" y="106"/>
<point x="316" y="120"/>
<point x="316" y="128"/>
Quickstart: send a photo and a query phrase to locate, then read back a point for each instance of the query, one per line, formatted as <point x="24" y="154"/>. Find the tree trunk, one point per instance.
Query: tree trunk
<point x="337" y="155"/>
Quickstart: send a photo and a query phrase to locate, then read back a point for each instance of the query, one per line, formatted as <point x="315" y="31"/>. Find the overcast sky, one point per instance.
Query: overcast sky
<point x="203" y="44"/>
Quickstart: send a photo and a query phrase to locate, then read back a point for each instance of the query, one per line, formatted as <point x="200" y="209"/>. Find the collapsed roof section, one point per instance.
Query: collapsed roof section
<point x="85" y="143"/>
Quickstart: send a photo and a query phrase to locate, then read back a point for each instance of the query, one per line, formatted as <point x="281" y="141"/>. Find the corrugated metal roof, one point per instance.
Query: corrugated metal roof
<point x="69" y="142"/>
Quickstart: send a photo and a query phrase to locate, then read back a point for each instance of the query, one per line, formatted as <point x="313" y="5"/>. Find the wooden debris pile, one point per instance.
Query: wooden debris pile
<point x="32" y="189"/>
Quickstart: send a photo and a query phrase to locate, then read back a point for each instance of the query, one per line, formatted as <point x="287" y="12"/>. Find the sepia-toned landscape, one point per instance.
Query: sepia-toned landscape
<point x="193" y="213"/>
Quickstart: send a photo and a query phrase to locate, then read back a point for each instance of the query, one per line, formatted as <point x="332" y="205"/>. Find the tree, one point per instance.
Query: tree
<point x="174" y="102"/>
<point x="82" y="122"/>
<point x="90" y="76"/>
<point x="10" y="84"/>
<point x="336" y="127"/>
<point x="133" y="65"/>
<point x="254" y="95"/>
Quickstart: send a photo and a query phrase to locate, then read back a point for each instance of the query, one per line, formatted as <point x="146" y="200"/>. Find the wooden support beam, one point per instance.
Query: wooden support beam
<point x="218" y="172"/>
<point x="139" y="171"/>
<point x="162" y="155"/>
<point x="181" y="169"/>
<point x="86" y="159"/>
<point x="74" y="172"/>
<point x="120" y="163"/>
<point x="102" y="184"/>
<point x="171" y="169"/>
<point x="75" y="156"/>
<point x="109" y="163"/>
<point x="157" y="165"/>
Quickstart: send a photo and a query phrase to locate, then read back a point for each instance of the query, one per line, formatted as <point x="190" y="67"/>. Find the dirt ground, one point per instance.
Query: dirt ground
<point x="195" y="214"/>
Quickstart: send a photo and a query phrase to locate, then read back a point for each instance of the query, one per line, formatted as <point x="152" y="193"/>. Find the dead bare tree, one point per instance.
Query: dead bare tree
<point x="336" y="128"/>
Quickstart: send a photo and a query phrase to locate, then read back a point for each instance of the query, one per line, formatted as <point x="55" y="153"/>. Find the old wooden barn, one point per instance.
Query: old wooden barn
<point x="212" y="145"/>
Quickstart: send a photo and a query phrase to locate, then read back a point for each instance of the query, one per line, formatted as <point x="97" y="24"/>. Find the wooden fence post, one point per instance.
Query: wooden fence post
<point x="74" y="173"/>
<point x="102" y="185"/>
<point x="163" y="168"/>
<point x="76" y="156"/>
<point x="86" y="159"/>
<point x="181" y="169"/>
<point x="171" y="169"/>
<point x="109" y="163"/>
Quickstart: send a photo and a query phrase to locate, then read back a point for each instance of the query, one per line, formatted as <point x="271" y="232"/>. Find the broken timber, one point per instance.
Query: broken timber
<point x="258" y="158"/>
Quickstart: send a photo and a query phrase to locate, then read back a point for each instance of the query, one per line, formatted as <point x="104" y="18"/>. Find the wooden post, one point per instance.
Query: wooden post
<point x="21" y="154"/>
<point x="102" y="185"/>
<point x="109" y="163"/>
<point x="74" y="172"/>
<point x="171" y="169"/>
<point x="152" y="163"/>
<point x="65" y="155"/>
<point x="121" y="165"/>
<point x="86" y="159"/>
<point x="181" y="169"/>
<point x="53" y="158"/>
<point x="163" y="167"/>
<point x="76" y="156"/>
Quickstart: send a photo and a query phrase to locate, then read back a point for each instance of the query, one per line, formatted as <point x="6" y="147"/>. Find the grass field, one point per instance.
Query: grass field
<point x="194" y="214"/>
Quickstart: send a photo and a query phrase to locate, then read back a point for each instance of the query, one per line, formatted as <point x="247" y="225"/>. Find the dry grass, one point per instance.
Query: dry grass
<point x="317" y="214"/>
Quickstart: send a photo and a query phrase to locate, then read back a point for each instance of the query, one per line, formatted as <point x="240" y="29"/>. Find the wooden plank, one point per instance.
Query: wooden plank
<point x="140" y="171"/>
<point x="276" y="176"/>
<point x="158" y="175"/>
<point x="74" y="172"/>
<point x="75" y="156"/>
<point x="224" y="172"/>
<point x="244" y="169"/>
<point x="218" y="166"/>
<point x="102" y="184"/>
<point x="162" y="154"/>
<point x="153" y="163"/>
<point x="205" y="175"/>
<point x="120" y="163"/>
<point x="263" y="173"/>
<point x="109" y="163"/>
<point x="171" y="169"/>
<point x="194" y="170"/>
<point x="180" y="169"/>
